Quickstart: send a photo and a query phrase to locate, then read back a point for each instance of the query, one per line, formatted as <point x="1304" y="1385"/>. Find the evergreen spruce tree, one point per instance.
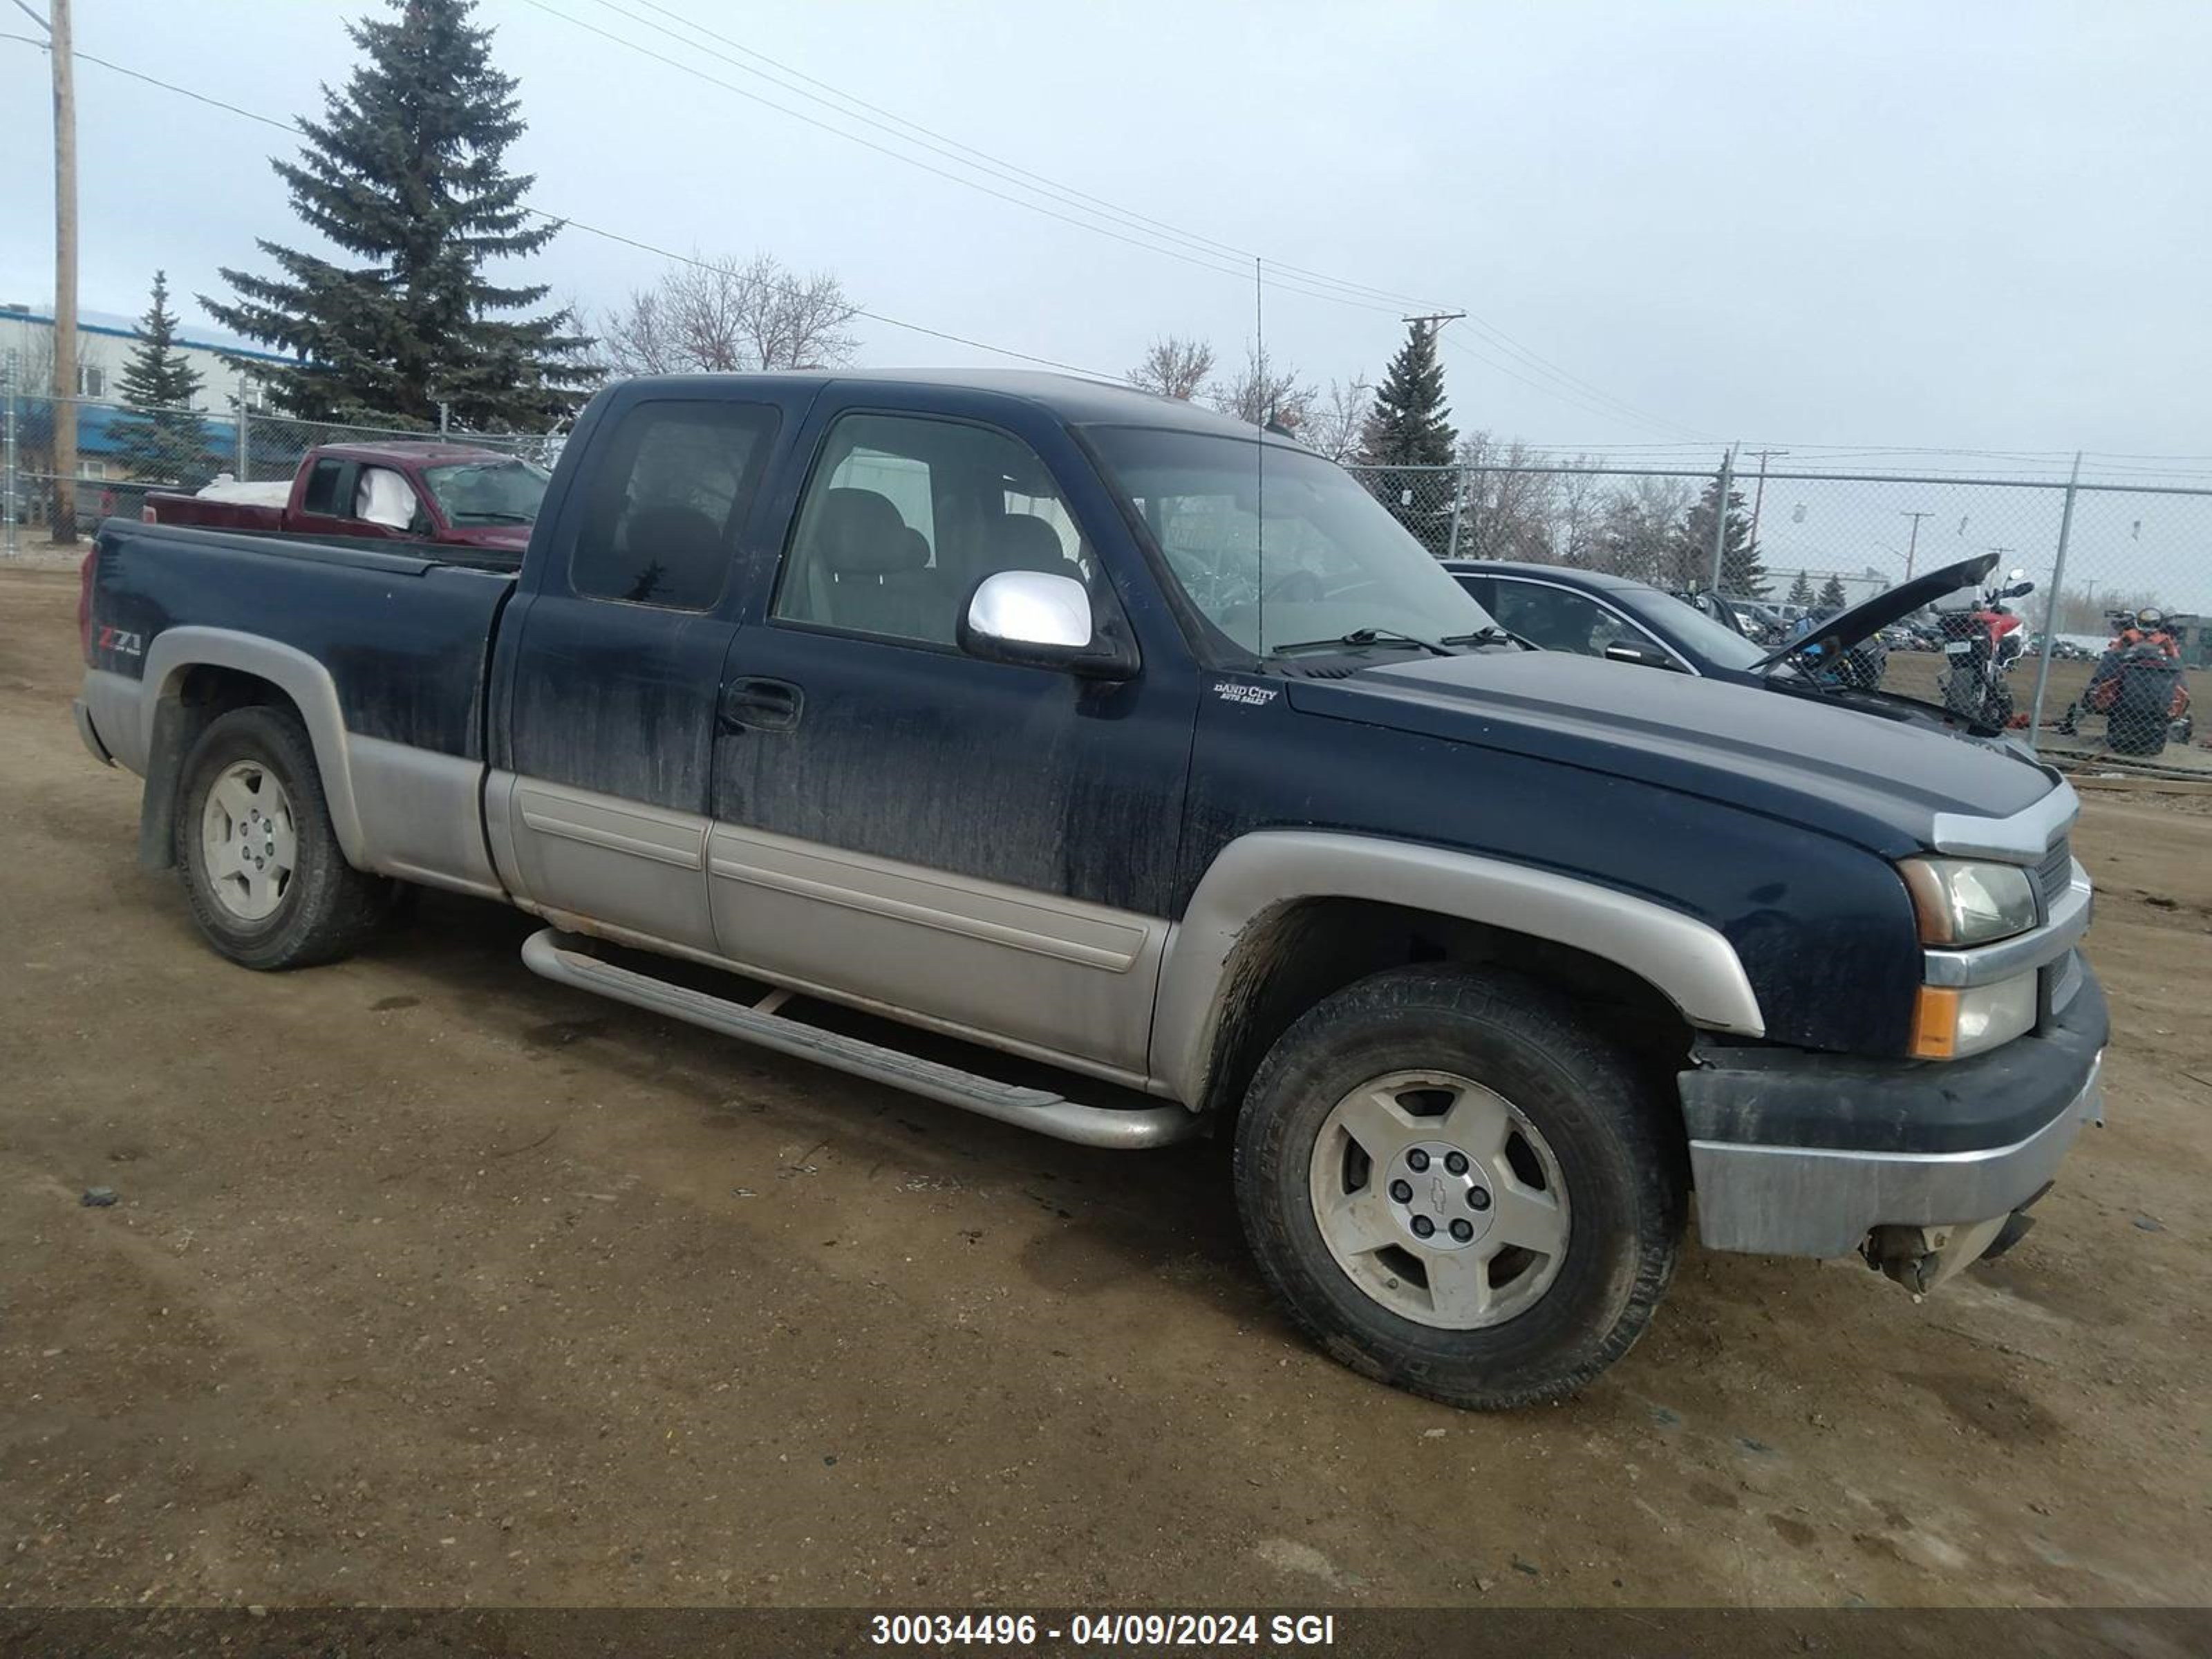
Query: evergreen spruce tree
<point x="158" y="437"/>
<point x="1409" y="424"/>
<point x="1741" y="574"/>
<point x="1801" y="591"/>
<point x="1832" y="597"/>
<point x="404" y="173"/>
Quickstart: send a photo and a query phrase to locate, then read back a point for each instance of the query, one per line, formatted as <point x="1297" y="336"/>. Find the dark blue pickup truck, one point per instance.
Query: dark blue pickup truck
<point x="1097" y="731"/>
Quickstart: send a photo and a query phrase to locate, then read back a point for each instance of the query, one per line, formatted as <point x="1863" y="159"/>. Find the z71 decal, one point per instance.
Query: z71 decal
<point x="1256" y="696"/>
<point x="122" y="642"/>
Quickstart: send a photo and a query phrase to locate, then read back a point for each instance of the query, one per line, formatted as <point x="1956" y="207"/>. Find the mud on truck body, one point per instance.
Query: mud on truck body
<point x="1094" y="730"/>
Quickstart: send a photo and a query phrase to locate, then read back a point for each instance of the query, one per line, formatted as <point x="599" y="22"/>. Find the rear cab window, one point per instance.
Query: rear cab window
<point x="662" y="516"/>
<point x="325" y="492"/>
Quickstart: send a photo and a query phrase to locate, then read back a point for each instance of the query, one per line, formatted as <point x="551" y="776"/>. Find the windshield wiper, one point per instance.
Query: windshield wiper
<point x="499" y="518"/>
<point x="1487" y="636"/>
<point x="1364" y="636"/>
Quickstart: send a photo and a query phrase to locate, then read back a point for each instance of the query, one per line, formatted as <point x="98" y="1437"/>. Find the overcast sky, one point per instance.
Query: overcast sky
<point x="1974" y="226"/>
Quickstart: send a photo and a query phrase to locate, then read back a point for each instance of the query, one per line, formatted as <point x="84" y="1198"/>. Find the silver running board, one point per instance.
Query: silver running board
<point x="568" y="959"/>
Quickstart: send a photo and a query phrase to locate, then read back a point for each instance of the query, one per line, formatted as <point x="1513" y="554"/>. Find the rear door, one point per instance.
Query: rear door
<point x="987" y="846"/>
<point x="609" y="666"/>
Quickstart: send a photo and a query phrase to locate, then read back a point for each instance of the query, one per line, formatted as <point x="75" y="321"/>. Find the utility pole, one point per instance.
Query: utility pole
<point x="1913" y="546"/>
<point x="60" y="49"/>
<point x="1720" y="516"/>
<point x="1759" y="494"/>
<point x="1434" y="319"/>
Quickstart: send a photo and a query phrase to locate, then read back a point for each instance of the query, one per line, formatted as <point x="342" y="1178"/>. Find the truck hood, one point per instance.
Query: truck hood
<point x="1879" y="782"/>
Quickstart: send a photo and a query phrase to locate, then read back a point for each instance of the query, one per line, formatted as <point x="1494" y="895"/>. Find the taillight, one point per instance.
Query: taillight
<point x="87" y="574"/>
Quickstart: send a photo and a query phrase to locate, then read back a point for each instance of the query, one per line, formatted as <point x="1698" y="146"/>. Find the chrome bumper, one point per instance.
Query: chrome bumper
<point x="1816" y="1202"/>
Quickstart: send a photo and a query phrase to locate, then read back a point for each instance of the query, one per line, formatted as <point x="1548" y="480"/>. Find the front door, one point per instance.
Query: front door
<point x="989" y="846"/>
<point x="611" y="669"/>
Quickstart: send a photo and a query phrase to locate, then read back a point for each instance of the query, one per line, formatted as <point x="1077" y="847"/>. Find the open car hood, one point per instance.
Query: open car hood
<point x="1862" y="621"/>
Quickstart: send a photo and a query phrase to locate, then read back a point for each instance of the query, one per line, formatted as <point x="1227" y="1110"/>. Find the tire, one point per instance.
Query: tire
<point x="2140" y="714"/>
<point x="1507" y="1326"/>
<point x="1962" y="694"/>
<point x="267" y="882"/>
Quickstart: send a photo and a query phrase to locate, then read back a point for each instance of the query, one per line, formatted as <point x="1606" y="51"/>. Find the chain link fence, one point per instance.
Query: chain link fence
<point x="2065" y="663"/>
<point x="2069" y="665"/>
<point x="123" y="454"/>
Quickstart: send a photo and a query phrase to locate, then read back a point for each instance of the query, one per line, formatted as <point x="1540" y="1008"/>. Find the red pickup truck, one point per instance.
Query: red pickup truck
<point x="453" y="494"/>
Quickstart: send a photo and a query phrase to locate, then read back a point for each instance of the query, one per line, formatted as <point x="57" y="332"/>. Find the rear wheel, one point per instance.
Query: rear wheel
<point x="267" y="882"/>
<point x="1458" y="1188"/>
<point x="2141" y="714"/>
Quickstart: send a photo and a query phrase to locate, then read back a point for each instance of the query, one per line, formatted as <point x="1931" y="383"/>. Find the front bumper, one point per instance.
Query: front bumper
<point x="1802" y="1154"/>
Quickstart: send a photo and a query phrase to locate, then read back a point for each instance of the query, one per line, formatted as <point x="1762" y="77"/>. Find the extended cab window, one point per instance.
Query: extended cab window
<point x="322" y="493"/>
<point x="661" y="522"/>
<point x="905" y="514"/>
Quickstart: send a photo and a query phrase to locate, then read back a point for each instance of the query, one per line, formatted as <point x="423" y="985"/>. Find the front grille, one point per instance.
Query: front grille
<point x="2064" y="979"/>
<point x="2054" y="873"/>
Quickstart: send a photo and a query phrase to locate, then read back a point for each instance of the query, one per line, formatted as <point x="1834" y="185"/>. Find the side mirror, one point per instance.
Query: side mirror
<point x="1035" y="619"/>
<point x="1642" y="656"/>
<point x="2019" y="588"/>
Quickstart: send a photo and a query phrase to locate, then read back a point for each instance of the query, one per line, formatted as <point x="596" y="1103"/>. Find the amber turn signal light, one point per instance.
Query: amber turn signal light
<point x="1935" y="1024"/>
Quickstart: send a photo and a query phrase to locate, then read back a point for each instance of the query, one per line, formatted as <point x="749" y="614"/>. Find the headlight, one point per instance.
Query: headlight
<point x="1950" y="1024"/>
<point x="1963" y="901"/>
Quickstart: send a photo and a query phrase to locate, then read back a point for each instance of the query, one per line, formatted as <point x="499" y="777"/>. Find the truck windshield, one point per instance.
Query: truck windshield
<point x="1282" y="550"/>
<point x="488" y="492"/>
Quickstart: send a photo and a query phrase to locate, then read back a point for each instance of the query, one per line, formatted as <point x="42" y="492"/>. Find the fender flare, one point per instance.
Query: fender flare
<point x="1259" y="875"/>
<point x="175" y="651"/>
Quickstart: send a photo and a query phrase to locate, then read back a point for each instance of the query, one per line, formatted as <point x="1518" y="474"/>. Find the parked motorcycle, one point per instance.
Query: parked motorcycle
<point x="1980" y="647"/>
<point x="2140" y="690"/>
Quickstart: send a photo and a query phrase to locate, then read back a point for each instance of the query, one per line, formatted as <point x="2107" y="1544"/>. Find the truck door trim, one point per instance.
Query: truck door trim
<point x="638" y="862"/>
<point x="1046" y="925"/>
<point x="620" y="826"/>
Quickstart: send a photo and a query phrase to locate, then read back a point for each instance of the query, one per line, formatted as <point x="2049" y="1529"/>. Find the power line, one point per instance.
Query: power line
<point x="1564" y="395"/>
<point x="292" y="129"/>
<point x="1197" y="248"/>
<point x="1203" y="262"/>
<point x="944" y="144"/>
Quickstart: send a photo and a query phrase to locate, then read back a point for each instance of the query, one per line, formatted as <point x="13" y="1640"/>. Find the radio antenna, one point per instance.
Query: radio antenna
<point x="1260" y="460"/>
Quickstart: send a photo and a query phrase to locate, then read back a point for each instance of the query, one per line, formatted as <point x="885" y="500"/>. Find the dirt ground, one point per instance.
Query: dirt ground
<point x="1914" y="674"/>
<point x="431" y="1282"/>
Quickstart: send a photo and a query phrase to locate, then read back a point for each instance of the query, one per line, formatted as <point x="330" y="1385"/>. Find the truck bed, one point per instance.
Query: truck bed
<point x="405" y="635"/>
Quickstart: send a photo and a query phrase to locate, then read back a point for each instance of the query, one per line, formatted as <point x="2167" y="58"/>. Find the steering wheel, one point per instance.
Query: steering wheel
<point x="1310" y="588"/>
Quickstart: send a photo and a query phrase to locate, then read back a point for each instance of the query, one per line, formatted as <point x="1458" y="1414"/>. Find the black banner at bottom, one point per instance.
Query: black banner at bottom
<point x="1064" y="1633"/>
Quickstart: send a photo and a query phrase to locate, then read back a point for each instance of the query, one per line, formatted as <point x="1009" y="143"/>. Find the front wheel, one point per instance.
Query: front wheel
<point x="268" y="884"/>
<point x="1457" y="1187"/>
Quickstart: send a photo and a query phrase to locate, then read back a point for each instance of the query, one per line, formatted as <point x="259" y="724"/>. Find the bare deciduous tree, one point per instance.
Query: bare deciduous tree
<point x="1263" y="391"/>
<point x="1339" y="418"/>
<point x="721" y="314"/>
<point x="1640" y="532"/>
<point x="1506" y="510"/>
<point x="1577" y="511"/>
<point x="1174" y="368"/>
